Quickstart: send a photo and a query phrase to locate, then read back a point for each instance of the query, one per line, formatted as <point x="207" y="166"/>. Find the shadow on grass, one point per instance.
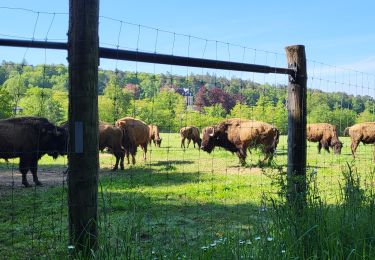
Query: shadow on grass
<point x="146" y="176"/>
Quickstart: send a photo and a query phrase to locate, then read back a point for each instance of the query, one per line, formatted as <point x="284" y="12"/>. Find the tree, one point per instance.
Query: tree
<point x="5" y="104"/>
<point x="119" y="101"/>
<point x="216" y="110"/>
<point x="241" y="111"/>
<point x="366" y="116"/>
<point x="39" y="102"/>
<point x="16" y="88"/>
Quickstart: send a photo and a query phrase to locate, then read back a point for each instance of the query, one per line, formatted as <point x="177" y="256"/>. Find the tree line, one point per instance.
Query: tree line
<point x="42" y="90"/>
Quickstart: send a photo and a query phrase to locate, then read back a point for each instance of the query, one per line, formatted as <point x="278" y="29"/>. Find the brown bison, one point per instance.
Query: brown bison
<point x="29" y="138"/>
<point x="363" y="132"/>
<point x="237" y="135"/>
<point x="154" y="135"/>
<point x="136" y="132"/>
<point x="111" y="137"/>
<point x="326" y="136"/>
<point x="191" y="133"/>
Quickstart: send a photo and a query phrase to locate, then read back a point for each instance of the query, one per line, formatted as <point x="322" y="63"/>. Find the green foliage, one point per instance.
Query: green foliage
<point x="164" y="110"/>
<point x="5" y="104"/>
<point x="366" y="116"/>
<point x="39" y="102"/>
<point x="215" y="110"/>
<point x="15" y="86"/>
<point x="115" y="102"/>
<point x="241" y="111"/>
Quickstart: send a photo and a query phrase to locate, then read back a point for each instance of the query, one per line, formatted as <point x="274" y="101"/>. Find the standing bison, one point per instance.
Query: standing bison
<point x="191" y="133"/>
<point x="154" y="135"/>
<point x="363" y="132"/>
<point x="236" y="136"/>
<point x="326" y="136"/>
<point x="111" y="137"/>
<point x="136" y="132"/>
<point x="29" y="138"/>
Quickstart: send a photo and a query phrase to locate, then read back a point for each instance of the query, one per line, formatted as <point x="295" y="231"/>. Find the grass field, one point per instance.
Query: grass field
<point x="183" y="204"/>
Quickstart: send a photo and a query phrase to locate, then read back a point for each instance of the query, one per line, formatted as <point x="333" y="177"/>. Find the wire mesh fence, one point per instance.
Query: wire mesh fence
<point x="177" y="200"/>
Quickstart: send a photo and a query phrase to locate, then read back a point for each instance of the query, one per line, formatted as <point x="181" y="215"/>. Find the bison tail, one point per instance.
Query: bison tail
<point x="276" y="138"/>
<point x="346" y="131"/>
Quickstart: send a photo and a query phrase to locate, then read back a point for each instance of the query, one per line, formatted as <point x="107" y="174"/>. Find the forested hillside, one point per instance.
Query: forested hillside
<point x="43" y="90"/>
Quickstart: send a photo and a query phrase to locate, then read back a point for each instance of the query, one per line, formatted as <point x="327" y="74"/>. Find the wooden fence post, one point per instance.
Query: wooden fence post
<point x="83" y="158"/>
<point x="296" y="170"/>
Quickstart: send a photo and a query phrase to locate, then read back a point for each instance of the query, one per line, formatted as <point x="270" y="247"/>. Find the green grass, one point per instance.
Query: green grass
<point x="190" y="204"/>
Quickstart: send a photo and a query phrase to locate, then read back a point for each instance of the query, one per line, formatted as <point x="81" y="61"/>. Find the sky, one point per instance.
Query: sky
<point x="339" y="36"/>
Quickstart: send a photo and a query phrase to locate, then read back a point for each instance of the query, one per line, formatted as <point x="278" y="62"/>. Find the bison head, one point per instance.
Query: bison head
<point x="337" y="145"/>
<point x="158" y="142"/>
<point x="213" y="136"/>
<point x="208" y="142"/>
<point x="56" y="139"/>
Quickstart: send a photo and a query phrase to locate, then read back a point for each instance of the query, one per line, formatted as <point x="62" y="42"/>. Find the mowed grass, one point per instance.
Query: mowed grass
<point x="178" y="203"/>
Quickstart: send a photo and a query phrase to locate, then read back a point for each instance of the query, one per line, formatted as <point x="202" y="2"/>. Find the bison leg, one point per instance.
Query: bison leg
<point x="144" y="148"/>
<point x="122" y="156"/>
<point x="189" y="140"/>
<point x="268" y="154"/>
<point x="354" y="147"/>
<point x="183" y="142"/>
<point x="34" y="170"/>
<point x="24" y="168"/>
<point x="319" y="147"/>
<point x="115" y="167"/>
<point x="242" y="156"/>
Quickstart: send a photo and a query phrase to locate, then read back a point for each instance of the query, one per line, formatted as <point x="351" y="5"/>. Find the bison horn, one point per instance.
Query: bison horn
<point x="213" y="132"/>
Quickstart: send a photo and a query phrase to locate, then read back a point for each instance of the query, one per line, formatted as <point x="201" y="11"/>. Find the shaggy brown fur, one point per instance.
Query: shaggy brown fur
<point x="111" y="137"/>
<point x="326" y="136"/>
<point x="237" y="135"/>
<point x="136" y="132"/>
<point x="363" y="132"/>
<point x="29" y="138"/>
<point x="191" y="133"/>
<point x="154" y="135"/>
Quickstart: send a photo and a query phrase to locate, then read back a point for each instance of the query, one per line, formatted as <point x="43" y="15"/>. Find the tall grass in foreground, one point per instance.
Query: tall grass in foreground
<point x="345" y="230"/>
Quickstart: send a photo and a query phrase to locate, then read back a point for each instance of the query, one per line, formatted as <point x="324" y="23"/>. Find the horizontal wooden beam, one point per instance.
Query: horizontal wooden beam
<point x="118" y="54"/>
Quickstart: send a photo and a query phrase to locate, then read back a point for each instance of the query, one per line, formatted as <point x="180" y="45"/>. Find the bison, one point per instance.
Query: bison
<point x="111" y="137"/>
<point x="154" y="135"/>
<point x="136" y="132"/>
<point x="237" y="135"/>
<point x="191" y="133"/>
<point x="326" y="136"/>
<point x="363" y="132"/>
<point x="29" y="138"/>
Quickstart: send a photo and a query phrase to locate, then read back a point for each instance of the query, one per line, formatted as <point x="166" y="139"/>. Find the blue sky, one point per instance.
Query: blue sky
<point x="338" y="33"/>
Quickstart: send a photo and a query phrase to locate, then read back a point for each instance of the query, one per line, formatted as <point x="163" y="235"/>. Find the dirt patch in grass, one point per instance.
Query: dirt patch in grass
<point x="49" y="177"/>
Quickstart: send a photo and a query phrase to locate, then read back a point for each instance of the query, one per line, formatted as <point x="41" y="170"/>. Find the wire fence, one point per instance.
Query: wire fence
<point x="178" y="198"/>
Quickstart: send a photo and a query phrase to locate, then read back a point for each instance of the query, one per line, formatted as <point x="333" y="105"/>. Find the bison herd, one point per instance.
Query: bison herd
<point x="29" y="138"/>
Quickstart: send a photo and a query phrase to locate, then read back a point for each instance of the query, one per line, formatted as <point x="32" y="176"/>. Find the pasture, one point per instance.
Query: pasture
<point x="180" y="203"/>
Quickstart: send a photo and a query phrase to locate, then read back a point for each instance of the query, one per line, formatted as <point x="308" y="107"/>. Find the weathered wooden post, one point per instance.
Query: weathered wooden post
<point x="83" y="158"/>
<point x="296" y="172"/>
